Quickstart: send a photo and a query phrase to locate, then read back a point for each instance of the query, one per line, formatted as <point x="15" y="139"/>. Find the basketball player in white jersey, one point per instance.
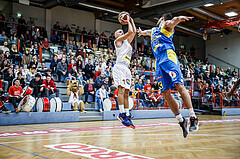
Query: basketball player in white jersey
<point x="121" y="72"/>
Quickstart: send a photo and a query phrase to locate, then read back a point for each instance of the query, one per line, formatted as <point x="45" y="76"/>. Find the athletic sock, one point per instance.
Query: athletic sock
<point x="179" y="117"/>
<point x="127" y="112"/>
<point x="191" y="112"/>
<point x="121" y="108"/>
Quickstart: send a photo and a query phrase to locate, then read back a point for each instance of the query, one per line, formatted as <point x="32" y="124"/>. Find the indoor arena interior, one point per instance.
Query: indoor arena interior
<point x="119" y="79"/>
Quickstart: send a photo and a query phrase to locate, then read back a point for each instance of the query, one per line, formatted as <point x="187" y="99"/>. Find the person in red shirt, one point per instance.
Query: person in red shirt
<point x="70" y="66"/>
<point x="45" y="44"/>
<point x="89" y="89"/>
<point x="15" y="94"/>
<point x="148" y="86"/>
<point x="97" y="73"/>
<point x="50" y="87"/>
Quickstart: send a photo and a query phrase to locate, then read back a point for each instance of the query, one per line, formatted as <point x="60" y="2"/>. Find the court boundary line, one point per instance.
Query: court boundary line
<point x="132" y="142"/>
<point x="23" y="151"/>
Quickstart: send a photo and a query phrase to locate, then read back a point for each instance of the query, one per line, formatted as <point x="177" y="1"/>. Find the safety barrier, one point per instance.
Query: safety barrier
<point x="217" y="99"/>
<point x="196" y="90"/>
<point x="152" y="99"/>
<point x="232" y="102"/>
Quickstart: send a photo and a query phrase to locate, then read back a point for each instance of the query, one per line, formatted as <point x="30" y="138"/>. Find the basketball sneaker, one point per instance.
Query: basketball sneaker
<point x="193" y="124"/>
<point x="183" y="125"/>
<point x="130" y="121"/>
<point x="122" y="117"/>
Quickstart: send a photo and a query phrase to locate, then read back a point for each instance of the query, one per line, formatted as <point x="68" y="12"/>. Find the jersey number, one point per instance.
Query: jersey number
<point x="160" y="85"/>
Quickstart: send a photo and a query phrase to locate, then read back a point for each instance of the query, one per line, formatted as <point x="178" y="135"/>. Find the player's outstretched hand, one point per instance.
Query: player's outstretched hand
<point x="230" y="94"/>
<point x="139" y="30"/>
<point x="185" y="18"/>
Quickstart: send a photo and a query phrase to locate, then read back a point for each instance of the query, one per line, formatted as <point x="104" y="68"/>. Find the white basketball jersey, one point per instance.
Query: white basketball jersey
<point x="124" y="53"/>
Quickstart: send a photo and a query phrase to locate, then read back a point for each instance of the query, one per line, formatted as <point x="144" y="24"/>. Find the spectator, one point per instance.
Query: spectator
<point x="62" y="70"/>
<point x="25" y="71"/>
<point x="21" y="26"/>
<point x="35" y="40"/>
<point x="15" y="94"/>
<point x="89" y="70"/>
<point x="89" y="90"/>
<point x="78" y="32"/>
<point x="4" y="67"/>
<point x="56" y="26"/>
<point x="73" y="74"/>
<point x="53" y="64"/>
<point x="31" y="74"/>
<point x="11" y="23"/>
<point x="84" y="33"/>
<point x="218" y="89"/>
<point x="14" y="38"/>
<point x="50" y="87"/>
<point x="42" y="69"/>
<point x="59" y="56"/>
<point x="27" y="37"/>
<point x="37" y="85"/>
<point x="26" y="60"/>
<point x="107" y="72"/>
<point x="9" y="76"/>
<point x="34" y="61"/>
<point x="45" y="44"/>
<point x="155" y="85"/>
<point x="139" y="85"/>
<point x="70" y="66"/>
<point x="106" y="84"/>
<point x="99" y="66"/>
<point x="4" y="48"/>
<point x="56" y="38"/>
<point x="112" y="89"/>
<point x="97" y="73"/>
<point x="3" y="37"/>
<point x="79" y="62"/>
<point x="101" y="94"/>
<point x="148" y="85"/>
<point x="145" y="43"/>
<point x="2" y="21"/>
<point x="30" y="24"/>
<point x="99" y="81"/>
<point x="21" y="80"/>
<point x="15" y="55"/>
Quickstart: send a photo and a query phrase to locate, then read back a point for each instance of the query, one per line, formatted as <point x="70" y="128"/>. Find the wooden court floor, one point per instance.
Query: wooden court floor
<point x="218" y="137"/>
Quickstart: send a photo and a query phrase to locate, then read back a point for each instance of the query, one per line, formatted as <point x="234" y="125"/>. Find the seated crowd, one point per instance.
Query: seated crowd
<point x="20" y="65"/>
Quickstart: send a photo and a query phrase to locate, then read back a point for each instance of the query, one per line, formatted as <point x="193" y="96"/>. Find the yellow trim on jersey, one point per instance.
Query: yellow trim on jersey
<point x="156" y="37"/>
<point x="165" y="32"/>
<point x="172" y="56"/>
<point x="155" y="48"/>
<point x="127" y="58"/>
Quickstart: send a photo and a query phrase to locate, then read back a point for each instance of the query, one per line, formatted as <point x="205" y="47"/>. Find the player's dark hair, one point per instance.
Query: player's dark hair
<point x="167" y="16"/>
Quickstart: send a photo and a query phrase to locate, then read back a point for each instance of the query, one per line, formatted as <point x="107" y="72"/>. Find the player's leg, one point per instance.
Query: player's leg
<point x="122" y="117"/>
<point x="172" y="103"/>
<point x="126" y="106"/>
<point x="187" y="101"/>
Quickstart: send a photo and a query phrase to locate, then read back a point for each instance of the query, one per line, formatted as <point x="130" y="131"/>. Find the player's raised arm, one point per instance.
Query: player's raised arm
<point x="131" y="37"/>
<point x="144" y="33"/>
<point x="120" y="38"/>
<point x="175" y="21"/>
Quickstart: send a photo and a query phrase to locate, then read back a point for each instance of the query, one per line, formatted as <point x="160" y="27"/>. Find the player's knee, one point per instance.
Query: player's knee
<point x="179" y="87"/>
<point x="166" y="94"/>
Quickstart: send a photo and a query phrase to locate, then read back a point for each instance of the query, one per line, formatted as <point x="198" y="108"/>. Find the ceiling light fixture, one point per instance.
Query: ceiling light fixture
<point x="137" y="4"/>
<point x="231" y="14"/>
<point x="208" y="5"/>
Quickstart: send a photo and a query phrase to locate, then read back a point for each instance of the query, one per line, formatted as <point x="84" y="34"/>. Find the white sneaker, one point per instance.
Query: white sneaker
<point x="100" y="110"/>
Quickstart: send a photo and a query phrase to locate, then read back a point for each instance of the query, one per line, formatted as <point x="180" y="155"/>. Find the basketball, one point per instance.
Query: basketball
<point x="123" y="17"/>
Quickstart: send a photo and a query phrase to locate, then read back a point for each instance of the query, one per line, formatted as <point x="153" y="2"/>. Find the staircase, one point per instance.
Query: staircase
<point x="91" y="115"/>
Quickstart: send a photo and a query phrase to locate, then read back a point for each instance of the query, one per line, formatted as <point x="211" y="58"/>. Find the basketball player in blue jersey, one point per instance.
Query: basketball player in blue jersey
<point x="168" y="71"/>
